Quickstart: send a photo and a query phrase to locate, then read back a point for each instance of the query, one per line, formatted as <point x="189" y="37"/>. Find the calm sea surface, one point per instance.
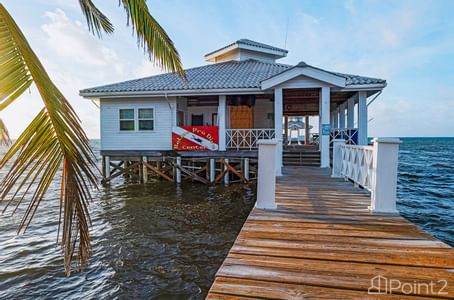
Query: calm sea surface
<point x="425" y="186"/>
<point x="166" y="242"/>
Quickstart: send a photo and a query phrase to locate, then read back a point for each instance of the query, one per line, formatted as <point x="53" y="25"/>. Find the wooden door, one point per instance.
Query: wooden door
<point x="241" y="117"/>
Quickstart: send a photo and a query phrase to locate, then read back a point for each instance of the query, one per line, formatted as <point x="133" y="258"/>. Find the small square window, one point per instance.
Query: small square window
<point x="127" y="120"/>
<point x="146" y="119"/>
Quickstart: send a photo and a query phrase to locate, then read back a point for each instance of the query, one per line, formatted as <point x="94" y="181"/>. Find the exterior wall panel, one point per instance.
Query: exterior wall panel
<point x="158" y="139"/>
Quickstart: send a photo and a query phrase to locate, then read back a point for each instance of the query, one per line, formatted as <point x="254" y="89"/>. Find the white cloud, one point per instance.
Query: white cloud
<point x="70" y="39"/>
<point x="146" y="69"/>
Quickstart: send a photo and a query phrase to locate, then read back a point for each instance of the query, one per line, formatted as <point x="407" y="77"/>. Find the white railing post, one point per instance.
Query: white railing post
<point x="337" y="158"/>
<point x="384" y="181"/>
<point x="266" y="181"/>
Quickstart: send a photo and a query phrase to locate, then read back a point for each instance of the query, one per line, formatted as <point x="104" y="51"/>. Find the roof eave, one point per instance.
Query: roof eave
<point x="170" y="93"/>
<point x="374" y="86"/>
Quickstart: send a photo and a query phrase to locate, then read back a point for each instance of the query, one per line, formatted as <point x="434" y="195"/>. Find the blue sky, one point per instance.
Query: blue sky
<point x="408" y="43"/>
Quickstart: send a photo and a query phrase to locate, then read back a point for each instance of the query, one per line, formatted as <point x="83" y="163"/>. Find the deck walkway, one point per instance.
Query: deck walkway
<point x="322" y="242"/>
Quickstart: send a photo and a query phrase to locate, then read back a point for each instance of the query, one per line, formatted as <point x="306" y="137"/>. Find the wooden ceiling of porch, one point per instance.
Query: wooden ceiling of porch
<point x="303" y="102"/>
<point x="297" y="102"/>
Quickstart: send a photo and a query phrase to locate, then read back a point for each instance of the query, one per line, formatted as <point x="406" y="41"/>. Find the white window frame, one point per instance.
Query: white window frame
<point x="120" y="119"/>
<point x="136" y="119"/>
<point x="145" y="119"/>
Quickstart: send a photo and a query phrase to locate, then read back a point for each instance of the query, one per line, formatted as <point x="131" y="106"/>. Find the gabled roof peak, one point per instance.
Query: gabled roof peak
<point x="302" y="64"/>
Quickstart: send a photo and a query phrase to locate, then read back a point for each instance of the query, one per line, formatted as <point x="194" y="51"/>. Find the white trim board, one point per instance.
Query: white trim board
<point x="171" y="93"/>
<point x="308" y="71"/>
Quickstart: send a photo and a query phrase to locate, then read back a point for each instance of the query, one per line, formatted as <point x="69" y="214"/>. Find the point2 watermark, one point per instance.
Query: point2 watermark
<point x="381" y="285"/>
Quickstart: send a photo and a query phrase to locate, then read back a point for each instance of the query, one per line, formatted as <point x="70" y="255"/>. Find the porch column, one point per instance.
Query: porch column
<point x="325" y="129"/>
<point x="278" y="112"/>
<point x="351" y="112"/>
<point x="221" y="122"/>
<point x="286" y="129"/>
<point x="307" y="130"/>
<point x="336" y="118"/>
<point x="362" y="118"/>
<point x="342" y="116"/>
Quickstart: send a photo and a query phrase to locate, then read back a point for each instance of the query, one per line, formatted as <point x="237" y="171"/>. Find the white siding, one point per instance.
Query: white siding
<point x="244" y="54"/>
<point x="158" y="139"/>
<point x="232" y="55"/>
<point x="261" y="110"/>
<point x="302" y="82"/>
<point x="247" y="54"/>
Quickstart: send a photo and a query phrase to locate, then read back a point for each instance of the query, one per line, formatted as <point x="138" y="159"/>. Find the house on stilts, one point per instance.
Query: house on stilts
<point x="311" y="233"/>
<point x="215" y="117"/>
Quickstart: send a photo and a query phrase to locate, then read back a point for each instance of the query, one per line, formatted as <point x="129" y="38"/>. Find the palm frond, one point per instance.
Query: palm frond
<point x="4" y="135"/>
<point x="96" y="20"/>
<point x="53" y="140"/>
<point x="152" y="37"/>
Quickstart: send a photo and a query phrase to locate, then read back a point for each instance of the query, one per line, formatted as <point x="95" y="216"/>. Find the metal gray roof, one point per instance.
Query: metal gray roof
<point x="227" y="75"/>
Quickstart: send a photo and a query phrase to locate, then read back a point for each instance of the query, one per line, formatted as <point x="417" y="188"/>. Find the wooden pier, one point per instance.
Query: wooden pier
<point x="207" y="167"/>
<point x="323" y="242"/>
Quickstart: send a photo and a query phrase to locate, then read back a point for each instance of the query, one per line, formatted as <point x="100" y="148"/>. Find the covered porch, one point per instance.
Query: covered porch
<point x="337" y="104"/>
<point x="325" y="113"/>
<point x="327" y="105"/>
<point x="240" y="120"/>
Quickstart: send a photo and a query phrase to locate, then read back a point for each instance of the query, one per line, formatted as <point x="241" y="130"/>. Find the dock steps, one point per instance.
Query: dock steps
<point x="301" y="158"/>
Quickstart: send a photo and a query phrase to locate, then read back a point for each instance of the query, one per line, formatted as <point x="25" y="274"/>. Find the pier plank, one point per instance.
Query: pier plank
<point x="322" y="242"/>
<point x="236" y="288"/>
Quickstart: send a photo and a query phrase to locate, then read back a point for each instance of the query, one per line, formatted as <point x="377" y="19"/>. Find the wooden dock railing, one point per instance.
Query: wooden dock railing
<point x="371" y="167"/>
<point x="247" y="138"/>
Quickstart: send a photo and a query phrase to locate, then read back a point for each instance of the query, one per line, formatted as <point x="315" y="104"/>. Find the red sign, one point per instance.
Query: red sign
<point x="195" y="138"/>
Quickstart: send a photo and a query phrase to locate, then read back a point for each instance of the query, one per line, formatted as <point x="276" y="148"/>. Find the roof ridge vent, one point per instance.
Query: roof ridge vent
<point x="244" y="49"/>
